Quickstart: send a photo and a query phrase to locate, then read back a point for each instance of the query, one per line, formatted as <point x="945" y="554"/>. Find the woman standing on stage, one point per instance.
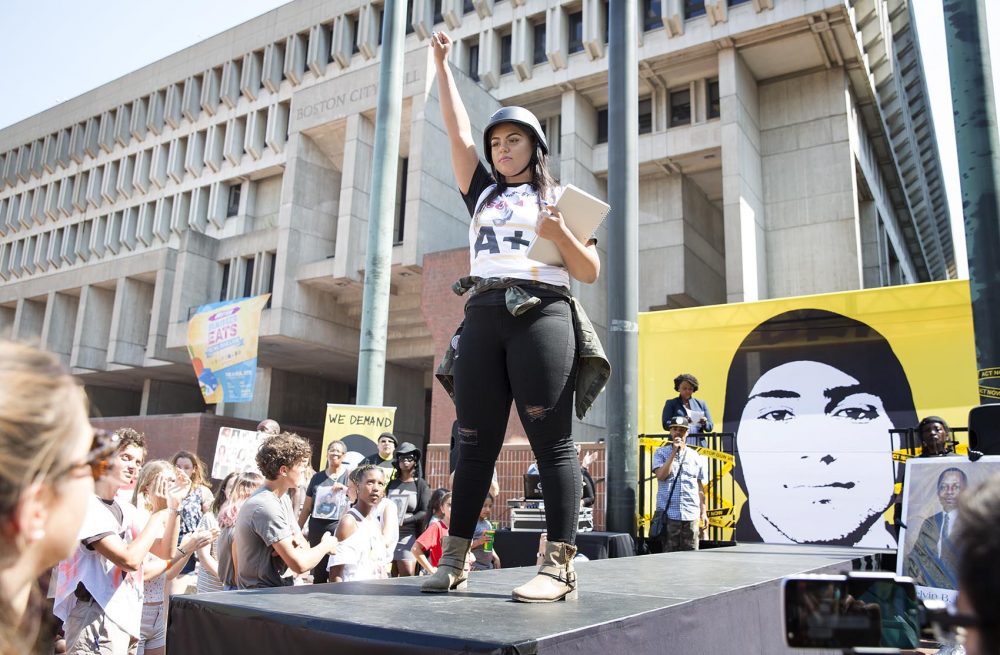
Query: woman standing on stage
<point x="518" y="339"/>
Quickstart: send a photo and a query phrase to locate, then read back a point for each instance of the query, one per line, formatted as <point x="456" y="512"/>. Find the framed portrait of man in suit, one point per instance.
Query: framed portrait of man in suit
<point x="932" y="491"/>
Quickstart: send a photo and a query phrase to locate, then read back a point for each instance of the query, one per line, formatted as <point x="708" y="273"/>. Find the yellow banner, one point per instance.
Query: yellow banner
<point x="222" y="344"/>
<point x="359" y="427"/>
<point x="811" y="386"/>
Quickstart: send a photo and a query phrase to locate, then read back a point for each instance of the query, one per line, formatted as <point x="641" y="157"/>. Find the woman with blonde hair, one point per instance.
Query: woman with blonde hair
<point x="48" y="455"/>
<point x="244" y="485"/>
<point x="150" y="496"/>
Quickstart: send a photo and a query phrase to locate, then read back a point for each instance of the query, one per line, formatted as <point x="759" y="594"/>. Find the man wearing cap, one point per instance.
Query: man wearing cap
<point x="386" y="447"/>
<point x="683" y="475"/>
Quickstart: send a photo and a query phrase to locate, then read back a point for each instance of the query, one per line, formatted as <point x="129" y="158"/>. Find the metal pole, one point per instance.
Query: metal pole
<point x="623" y="266"/>
<point x="385" y="161"/>
<point x="976" y="138"/>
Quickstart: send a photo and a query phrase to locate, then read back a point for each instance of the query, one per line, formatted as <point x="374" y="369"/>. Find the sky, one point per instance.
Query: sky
<point x="54" y="50"/>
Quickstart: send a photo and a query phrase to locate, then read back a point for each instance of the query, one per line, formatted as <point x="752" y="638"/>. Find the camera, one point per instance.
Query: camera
<point x="863" y="612"/>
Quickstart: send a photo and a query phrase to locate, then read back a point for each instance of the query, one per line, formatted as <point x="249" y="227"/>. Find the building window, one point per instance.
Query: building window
<point x="233" y="203"/>
<point x="467" y="6"/>
<point x="602" y="125"/>
<point x="550" y="129"/>
<point x="645" y="116"/>
<point x="505" y="43"/>
<point x="575" y="23"/>
<point x="645" y="120"/>
<point x="224" y="292"/>
<point x="652" y="15"/>
<point x="400" y="221"/>
<point x="680" y="107"/>
<point x="248" y="264"/>
<point x="355" y="49"/>
<point x="438" y="15"/>
<point x="607" y="23"/>
<point x="474" y="62"/>
<point x="539" y="45"/>
<point x="409" y="16"/>
<point x="272" y="262"/>
<point x="693" y="8"/>
<point x="713" y="99"/>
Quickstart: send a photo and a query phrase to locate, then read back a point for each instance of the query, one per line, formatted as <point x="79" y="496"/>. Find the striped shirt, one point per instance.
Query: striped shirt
<point x="690" y="469"/>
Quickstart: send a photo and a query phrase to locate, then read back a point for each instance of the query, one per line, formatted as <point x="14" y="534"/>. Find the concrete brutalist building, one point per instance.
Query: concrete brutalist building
<point x="786" y="148"/>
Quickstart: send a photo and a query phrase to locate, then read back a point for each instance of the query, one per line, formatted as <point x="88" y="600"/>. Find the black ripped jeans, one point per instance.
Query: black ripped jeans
<point x="531" y="359"/>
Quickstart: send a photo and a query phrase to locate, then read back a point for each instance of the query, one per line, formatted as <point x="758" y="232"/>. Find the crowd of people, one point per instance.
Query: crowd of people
<point x="110" y="535"/>
<point x="85" y="513"/>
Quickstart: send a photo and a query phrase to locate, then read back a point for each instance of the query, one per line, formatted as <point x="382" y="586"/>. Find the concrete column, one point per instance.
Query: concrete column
<point x="57" y="330"/>
<point x="742" y="181"/>
<point x="355" y="192"/>
<point x="578" y="134"/>
<point x="129" y="331"/>
<point x="93" y="327"/>
<point x="310" y="195"/>
<point x="198" y="280"/>
<point x="810" y="186"/>
<point x="7" y="315"/>
<point x="29" y="319"/>
<point x="159" y="319"/>
<point x="869" y="227"/>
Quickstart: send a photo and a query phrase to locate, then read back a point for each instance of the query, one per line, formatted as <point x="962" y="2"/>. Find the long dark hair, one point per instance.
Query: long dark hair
<point x="820" y="336"/>
<point x="541" y="179"/>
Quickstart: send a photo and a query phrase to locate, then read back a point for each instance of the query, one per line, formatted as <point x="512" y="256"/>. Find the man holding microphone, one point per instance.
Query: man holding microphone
<point x="683" y="475"/>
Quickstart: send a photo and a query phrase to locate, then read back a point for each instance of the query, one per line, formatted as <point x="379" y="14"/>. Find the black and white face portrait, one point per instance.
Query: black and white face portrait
<point x="811" y="400"/>
<point x="816" y="453"/>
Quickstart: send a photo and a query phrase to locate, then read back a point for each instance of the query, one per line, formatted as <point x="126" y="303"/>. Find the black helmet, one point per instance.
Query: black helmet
<point x="519" y="116"/>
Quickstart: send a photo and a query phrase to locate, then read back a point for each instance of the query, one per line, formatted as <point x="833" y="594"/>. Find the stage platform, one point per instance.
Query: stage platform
<point x="716" y="601"/>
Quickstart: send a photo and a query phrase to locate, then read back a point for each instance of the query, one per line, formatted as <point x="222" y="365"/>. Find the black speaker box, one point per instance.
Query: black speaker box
<point x="984" y="429"/>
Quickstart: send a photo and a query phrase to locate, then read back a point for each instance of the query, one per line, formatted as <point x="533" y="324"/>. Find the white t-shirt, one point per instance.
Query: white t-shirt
<point x="505" y="229"/>
<point x="120" y="593"/>
<point x="363" y="554"/>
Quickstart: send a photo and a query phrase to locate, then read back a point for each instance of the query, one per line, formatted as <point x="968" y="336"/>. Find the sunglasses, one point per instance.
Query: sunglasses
<point x="407" y="458"/>
<point x="102" y="448"/>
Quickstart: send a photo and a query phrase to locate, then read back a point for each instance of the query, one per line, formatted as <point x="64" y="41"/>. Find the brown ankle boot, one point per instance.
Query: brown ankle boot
<point x="451" y="573"/>
<point x="556" y="579"/>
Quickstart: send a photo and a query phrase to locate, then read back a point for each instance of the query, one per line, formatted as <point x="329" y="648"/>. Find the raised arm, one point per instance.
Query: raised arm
<point x="456" y="120"/>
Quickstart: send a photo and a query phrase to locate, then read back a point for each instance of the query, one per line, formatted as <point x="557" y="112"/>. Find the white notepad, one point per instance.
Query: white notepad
<point x="582" y="213"/>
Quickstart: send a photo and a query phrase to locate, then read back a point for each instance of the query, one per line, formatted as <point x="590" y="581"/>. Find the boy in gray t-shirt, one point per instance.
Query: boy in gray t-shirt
<point x="266" y="542"/>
